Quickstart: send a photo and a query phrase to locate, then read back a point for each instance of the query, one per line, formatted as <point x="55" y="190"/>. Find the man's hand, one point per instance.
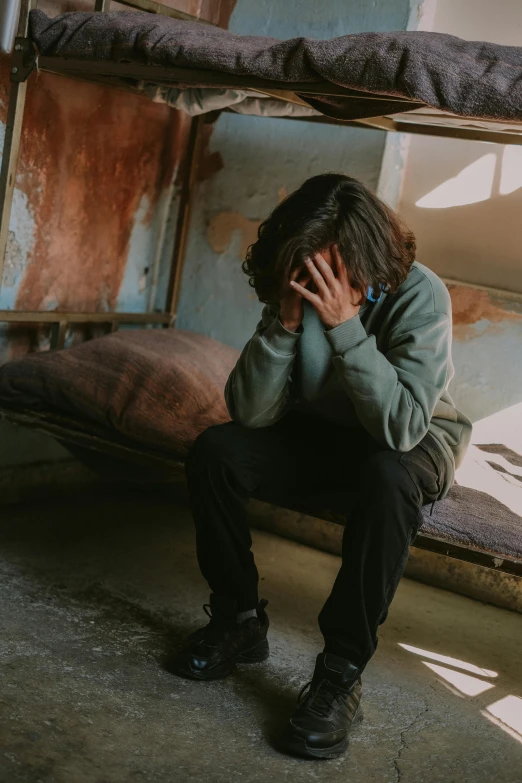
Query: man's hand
<point x="335" y="301"/>
<point x="291" y="308"/>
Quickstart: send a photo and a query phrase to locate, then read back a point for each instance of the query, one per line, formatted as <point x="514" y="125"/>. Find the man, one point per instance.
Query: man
<point x="341" y="393"/>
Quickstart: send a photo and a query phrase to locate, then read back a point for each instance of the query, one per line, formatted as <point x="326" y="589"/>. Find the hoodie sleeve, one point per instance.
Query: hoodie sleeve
<point x="257" y="390"/>
<point x="394" y="395"/>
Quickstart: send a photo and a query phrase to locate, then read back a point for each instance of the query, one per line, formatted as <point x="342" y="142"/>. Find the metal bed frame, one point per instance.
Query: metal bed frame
<point x="69" y="431"/>
<point x="114" y="74"/>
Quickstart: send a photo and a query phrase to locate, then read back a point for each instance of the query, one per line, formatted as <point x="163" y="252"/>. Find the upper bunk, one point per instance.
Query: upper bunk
<point x="417" y="82"/>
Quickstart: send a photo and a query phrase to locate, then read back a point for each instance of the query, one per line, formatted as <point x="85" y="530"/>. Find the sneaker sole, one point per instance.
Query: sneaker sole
<point x="256" y="654"/>
<point x="296" y="745"/>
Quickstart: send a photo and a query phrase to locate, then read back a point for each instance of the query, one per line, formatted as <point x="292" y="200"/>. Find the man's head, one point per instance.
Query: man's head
<point x="326" y="210"/>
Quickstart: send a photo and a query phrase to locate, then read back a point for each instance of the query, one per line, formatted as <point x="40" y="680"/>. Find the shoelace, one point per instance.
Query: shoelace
<point x="207" y="631"/>
<point x="323" y="696"/>
<point x="212" y="632"/>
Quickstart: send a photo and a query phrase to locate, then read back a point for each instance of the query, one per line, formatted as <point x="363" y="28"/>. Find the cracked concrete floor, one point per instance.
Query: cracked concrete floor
<point x="96" y="590"/>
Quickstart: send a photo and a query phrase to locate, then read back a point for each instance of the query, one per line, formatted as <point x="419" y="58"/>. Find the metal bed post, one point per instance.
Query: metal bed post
<point x="13" y="128"/>
<point x="184" y="210"/>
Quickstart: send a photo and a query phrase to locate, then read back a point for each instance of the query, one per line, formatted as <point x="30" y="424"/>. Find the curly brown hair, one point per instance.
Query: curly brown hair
<point x="330" y="209"/>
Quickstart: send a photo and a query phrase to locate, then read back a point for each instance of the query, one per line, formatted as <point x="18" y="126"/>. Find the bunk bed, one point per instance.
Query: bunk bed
<point x="410" y="82"/>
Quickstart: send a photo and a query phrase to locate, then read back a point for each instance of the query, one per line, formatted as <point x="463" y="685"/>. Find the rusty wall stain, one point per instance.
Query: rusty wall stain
<point x="88" y="157"/>
<point x="5" y="64"/>
<point x="224" y="12"/>
<point x="209" y="163"/>
<point x="222" y="226"/>
<point x="471" y="305"/>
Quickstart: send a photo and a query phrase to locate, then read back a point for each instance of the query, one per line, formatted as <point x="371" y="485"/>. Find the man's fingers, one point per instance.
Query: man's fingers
<point x="305" y="293"/>
<point x="300" y="275"/>
<point x="304" y="279"/>
<point x="315" y="274"/>
<point x="299" y="270"/>
<point x="326" y="270"/>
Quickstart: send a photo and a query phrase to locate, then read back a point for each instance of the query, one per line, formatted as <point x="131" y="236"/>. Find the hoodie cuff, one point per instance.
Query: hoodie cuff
<point x="346" y="335"/>
<point x="281" y="340"/>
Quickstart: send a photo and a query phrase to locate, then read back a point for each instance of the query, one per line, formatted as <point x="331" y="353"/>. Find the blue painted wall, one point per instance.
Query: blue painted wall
<point x="261" y="156"/>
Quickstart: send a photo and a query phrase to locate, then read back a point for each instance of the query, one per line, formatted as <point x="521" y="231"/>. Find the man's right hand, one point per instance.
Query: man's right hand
<point x="291" y="307"/>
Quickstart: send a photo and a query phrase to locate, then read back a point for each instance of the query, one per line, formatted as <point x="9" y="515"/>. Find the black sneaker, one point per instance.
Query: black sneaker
<point x="328" y="705"/>
<point x="212" y="652"/>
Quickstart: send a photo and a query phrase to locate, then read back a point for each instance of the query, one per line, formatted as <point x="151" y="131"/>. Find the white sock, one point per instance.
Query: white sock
<point x="242" y="616"/>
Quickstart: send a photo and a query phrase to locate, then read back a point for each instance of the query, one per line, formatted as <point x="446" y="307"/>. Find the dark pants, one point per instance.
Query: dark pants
<point x="309" y="460"/>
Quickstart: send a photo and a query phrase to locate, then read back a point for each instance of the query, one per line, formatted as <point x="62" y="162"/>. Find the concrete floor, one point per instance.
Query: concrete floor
<point x="95" y="591"/>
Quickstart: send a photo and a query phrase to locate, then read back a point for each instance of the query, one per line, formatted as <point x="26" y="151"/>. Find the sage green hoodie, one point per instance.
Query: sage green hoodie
<point x="386" y="369"/>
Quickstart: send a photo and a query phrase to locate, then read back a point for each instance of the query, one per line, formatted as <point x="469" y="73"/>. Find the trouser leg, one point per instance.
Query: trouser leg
<point x="227" y="464"/>
<point x="305" y="456"/>
<point x="392" y="488"/>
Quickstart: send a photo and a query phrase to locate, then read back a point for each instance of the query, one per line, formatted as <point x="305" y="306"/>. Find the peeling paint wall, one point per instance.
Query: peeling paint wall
<point x="93" y="166"/>
<point x="250" y="163"/>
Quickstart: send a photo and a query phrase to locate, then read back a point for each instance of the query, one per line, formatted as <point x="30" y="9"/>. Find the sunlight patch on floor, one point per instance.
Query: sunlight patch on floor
<point x="507" y="714"/>
<point x="469" y="686"/>
<point x="470" y="667"/>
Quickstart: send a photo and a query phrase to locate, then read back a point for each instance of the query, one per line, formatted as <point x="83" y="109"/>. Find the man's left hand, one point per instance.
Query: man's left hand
<point x="336" y="301"/>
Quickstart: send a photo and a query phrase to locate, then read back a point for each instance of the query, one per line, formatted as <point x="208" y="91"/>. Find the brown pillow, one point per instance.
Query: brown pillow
<point x="158" y="387"/>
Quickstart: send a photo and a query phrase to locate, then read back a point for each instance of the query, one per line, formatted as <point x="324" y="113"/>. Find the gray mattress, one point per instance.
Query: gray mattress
<point x="466" y="517"/>
<point x="472" y="79"/>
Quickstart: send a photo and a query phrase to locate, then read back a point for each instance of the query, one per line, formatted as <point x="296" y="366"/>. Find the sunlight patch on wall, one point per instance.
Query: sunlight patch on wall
<point x="504" y="426"/>
<point x="476" y="472"/>
<point x="471" y="185"/>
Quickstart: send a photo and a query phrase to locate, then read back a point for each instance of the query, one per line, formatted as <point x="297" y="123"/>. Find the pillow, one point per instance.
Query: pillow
<point x="159" y="387"/>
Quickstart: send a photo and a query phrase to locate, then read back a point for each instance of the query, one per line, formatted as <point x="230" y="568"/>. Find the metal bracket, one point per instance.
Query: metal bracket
<point x="23" y="61"/>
